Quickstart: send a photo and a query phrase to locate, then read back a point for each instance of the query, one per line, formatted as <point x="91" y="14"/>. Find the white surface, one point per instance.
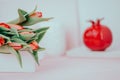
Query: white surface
<point x="69" y="68"/>
<point x="9" y="63"/>
<point x="107" y="9"/>
<point x="84" y="52"/>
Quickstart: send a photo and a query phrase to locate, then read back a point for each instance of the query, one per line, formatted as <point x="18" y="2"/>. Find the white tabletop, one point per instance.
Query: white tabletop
<point x="71" y="68"/>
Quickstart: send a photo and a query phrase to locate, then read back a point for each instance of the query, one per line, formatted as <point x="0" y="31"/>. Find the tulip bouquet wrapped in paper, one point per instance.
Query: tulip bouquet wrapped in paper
<point x="15" y="36"/>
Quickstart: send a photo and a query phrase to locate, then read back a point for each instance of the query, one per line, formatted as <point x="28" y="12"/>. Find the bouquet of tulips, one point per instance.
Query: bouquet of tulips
<point x="16" y="36"/>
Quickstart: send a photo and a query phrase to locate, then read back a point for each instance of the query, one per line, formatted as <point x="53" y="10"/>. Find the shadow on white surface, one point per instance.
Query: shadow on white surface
<point x="85" y="52"/>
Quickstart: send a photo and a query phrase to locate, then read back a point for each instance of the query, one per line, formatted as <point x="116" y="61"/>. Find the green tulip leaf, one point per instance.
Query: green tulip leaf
<point x="17" y="54"/>
<point x="39" y="36"/>
<point x="15" y="31"/>
<point x="34" y="20"/>
<point x="41" y="49"/>
<point x="4" y="29"/>
<point x="35" y="55"/>
<point x="20" y="41"/>
<point x="5" y="37"/>
<point x="29" y="49"/>
<point x="41" y="29"/>
<point x="23" y="17"/>
<point x="8" y="33"/>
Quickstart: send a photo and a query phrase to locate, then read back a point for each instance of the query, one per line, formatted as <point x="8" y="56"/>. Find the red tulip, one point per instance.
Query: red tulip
<point x="4" y="25"/>
<point x="18" y="27"/>
<point x="37" y="14"/>
<point x="15" y="45"/>
<point x="34" y="45"/>
<point x="2" y="41"/>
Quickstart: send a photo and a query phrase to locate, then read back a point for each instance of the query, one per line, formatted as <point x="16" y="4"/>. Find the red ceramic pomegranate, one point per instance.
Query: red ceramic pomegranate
<point x="97" y="37"/>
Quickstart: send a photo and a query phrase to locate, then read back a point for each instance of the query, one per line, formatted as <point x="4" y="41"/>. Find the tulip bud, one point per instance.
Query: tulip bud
<point x="34" y="45"/>
<point x="18" y="27"/>
<point x="2" y="41"/>
<point x="37" y="14"/>
<point x="4" y="25"/>
<point x="15" y="45"/>
<point x="27" y="35"/>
